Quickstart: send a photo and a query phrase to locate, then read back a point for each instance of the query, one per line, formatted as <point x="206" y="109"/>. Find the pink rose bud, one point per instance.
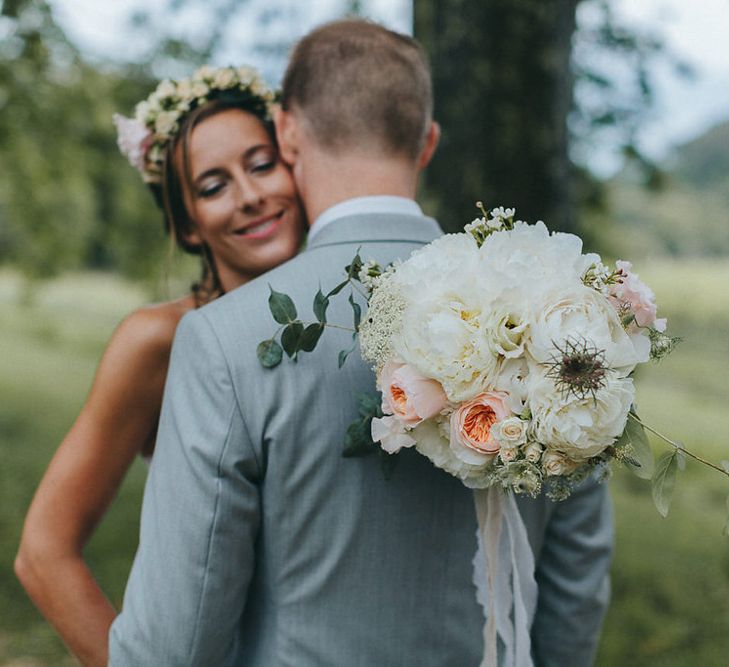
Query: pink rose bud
<point x="408" y="395"/>
<point x="471" y="437"/>
<point x="633" y="293"/>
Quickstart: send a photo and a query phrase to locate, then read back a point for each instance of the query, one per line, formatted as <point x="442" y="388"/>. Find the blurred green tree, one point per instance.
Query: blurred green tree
<point x="67" y="198"/>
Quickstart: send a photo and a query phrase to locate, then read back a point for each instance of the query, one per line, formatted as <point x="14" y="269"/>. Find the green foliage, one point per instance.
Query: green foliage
<point x="635" y="441"/>
<point x="664" y="481"/>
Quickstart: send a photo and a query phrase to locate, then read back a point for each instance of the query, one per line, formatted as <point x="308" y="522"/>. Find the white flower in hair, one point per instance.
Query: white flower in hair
<point x="144" y="139"/>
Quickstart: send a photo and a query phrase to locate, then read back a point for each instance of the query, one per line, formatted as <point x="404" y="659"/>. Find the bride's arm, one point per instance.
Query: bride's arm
<point x="120" y="414"/>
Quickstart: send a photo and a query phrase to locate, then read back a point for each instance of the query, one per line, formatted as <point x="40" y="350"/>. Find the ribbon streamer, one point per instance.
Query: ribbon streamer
<point x="503" y="573"/>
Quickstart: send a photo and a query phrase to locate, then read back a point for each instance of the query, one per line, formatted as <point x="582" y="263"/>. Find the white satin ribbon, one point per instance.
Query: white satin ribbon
<point x="503" y="573"/>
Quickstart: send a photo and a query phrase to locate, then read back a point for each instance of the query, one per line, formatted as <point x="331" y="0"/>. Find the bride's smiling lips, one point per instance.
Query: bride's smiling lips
<point x="261" y="227"/>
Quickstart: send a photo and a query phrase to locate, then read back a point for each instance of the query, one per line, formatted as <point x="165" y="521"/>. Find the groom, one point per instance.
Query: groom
<point x="260" y="544"/>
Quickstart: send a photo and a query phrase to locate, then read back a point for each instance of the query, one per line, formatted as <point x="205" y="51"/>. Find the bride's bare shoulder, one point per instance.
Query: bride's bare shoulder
<point x="149" y="330"/>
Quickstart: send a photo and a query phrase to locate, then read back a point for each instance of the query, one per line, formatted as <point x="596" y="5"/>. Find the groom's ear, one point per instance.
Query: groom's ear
<point x="287" y="135"/>
<point x="431" y="143"/>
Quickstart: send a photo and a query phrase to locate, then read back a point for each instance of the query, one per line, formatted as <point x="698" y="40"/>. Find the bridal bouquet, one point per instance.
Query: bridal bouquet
<point x="504" y="354"/>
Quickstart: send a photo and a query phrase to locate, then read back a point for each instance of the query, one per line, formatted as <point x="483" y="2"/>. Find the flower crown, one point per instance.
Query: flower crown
<point x="144" y="138"/>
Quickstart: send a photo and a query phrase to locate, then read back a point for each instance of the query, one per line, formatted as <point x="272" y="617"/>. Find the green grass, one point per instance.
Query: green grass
<point x="670" y="576"/>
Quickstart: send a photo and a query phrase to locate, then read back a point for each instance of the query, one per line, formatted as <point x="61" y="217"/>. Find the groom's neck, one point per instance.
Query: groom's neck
<point x="329" y="180"/>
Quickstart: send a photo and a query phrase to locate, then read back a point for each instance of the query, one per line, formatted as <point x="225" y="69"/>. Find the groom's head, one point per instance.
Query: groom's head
<point x="360" y="85"/>
<point x="355" y="88"/>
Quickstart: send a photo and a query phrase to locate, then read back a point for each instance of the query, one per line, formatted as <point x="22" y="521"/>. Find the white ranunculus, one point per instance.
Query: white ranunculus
<point x="583" y="316"/>
<point x="505" y="322"/>
<point x="204" y="72"/>
<point x="580" y="428"/>
<point x="512" y="379"/>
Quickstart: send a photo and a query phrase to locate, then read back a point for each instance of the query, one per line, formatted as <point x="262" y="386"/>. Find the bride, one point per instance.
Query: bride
<point x="206" y="148"/>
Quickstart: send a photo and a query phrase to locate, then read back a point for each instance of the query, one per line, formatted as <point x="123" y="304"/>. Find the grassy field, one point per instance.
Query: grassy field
<point x="670" y="577"/>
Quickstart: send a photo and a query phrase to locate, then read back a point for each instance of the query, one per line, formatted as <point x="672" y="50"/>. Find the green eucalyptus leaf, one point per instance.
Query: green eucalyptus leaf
<point x="290" y="338"/>
<point x="357" y="310"/>
<point x="282" y="307"/>
<point x="370" y="405"/>
<point x="338" y="288"/>
<point x="634" y="436"/>
<point x="269" y="353"/>
<point x="664" y="481"/>
<point x="725" y="465"/>
<point x="343" y="354"/>
<point x="358" y="440"/>
<point x="310" y="337"/>
<point x="321" y="303"/>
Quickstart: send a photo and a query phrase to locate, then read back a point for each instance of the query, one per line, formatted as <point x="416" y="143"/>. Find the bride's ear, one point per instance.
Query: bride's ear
<point x="287" y="135"/>
<point x="431" y="143"/>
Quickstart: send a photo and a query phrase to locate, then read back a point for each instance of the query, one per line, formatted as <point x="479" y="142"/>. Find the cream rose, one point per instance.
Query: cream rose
<point x="471" y="434"/>
<point x="555" y="464"/>
<point x="511" y="432"/>
<point x="224" y="78"/>
<point x="408" y="395"/>
<point x="533" y="452"/>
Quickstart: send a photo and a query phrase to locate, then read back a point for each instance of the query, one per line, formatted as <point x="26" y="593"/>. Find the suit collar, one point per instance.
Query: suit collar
<point x="365" y="228"/>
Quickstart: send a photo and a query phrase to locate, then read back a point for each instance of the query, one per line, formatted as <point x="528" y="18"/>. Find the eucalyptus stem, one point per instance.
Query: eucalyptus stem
<point x="677" y="445"/>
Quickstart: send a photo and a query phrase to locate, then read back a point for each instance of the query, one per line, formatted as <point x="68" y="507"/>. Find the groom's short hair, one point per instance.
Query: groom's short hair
<point x="360" y="85"/>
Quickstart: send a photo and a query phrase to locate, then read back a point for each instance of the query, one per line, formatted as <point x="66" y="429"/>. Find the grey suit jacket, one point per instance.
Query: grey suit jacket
<point x="261" y="545"/>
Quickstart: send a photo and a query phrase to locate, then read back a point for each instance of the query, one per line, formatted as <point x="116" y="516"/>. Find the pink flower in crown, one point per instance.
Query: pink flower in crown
<point x="634" y="294"/>
<point x="133" y="139"/>
<point x="471" y="438"/>
<point x="408" y="395"/>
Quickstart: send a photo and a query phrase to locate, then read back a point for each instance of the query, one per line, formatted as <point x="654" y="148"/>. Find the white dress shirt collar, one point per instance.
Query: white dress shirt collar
<point x="364" y="205"/>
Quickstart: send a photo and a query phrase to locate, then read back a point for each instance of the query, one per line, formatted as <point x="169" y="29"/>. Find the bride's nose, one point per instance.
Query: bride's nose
<point x="250" y="195"/>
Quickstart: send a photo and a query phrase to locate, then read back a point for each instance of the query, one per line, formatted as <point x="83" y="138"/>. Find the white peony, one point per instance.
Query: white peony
<point x="529" y="257"/>
<point x="579" y="427"/>
<point x="442" y="331"/>
<point x="578" y="314"/>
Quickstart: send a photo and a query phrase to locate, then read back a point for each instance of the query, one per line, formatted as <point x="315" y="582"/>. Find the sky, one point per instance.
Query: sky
<point x="696" y="31"/>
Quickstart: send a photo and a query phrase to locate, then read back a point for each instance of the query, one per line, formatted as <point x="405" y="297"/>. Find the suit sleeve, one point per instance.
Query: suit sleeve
<point x="573" y="575"/>
<point x="200" y="516"/>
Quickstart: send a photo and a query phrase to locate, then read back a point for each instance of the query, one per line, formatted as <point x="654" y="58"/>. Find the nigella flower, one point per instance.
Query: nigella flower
<point x="578" y="368"/>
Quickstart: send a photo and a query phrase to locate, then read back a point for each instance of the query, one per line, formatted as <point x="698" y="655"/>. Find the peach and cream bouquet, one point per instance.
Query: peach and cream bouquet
<point x="504" y="354"/>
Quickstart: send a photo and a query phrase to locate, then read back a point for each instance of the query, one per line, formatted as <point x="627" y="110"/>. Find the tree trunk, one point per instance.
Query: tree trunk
<point x="503" y="91"/>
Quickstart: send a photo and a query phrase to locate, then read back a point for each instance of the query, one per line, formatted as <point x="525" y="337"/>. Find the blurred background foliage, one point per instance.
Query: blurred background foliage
<point x="524" y="93"/>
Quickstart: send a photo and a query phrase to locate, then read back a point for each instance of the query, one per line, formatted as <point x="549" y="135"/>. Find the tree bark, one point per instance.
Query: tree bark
<point x="503" y="92"/>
